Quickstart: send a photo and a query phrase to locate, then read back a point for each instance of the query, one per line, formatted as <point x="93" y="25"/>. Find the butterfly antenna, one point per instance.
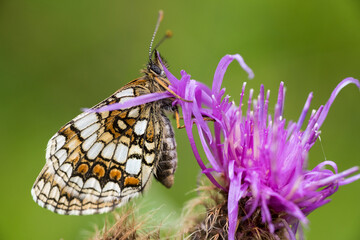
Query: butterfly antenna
<point x="167" y="35"/>
<point x="160" y="17"/>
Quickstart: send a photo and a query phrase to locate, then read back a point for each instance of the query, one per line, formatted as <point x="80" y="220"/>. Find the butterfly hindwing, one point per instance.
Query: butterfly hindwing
<point x="100" y="160"/>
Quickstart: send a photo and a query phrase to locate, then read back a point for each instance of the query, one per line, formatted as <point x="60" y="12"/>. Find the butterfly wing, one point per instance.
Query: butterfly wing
<point x="98" y="161"/>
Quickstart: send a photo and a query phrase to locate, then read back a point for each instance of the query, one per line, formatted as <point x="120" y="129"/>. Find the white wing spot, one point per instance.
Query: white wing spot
<point x="126" y="92"/>
<point x="135" y="149"/>
<point x="125" y="99"/>
<point x="60" y="211"/>
<point x="95" y="150"/>
<point x="133" y="166"/>
<point x="75" y="201"/>
<point x="121" y="153"/>
<point x="149" y="158"/>
<point x="121" y="124"/>
<point x="129" y="193"/>
<point x="93" y="183"/>
<point x="60" y="178"/>
<point x="134" y="113"/>
<point x="140" y="127"/>
<point x="77" y="183"/>
<point x="89" y="130"/>
<point x="61" y="156"/>
<point x="149" y="146"/>
<point x="75" y="212"/>
<point x="72" y="144"/>
<point x="67" y="169"/>
<point x="86" y="121"/>
<point x="104" y="114"/>
<point x="40" y="184"/>
<point x="50" y="149"/>
<point x="89" y="195"/>
<point x="145" y="172"/>
<point x="89" y="211"/>
<point x="63" y="200"/>
<point x="108" y="151"/>
<point x="34" y="194"/>
<point x="50" y="207"/>
<point x="55" y="193"/>
<point x="60" y="141"/>
<point x="111" y="186"/>
<point x="46" y="189"/>
<point x="40" y="202"/>
<point x="89" y="142"/>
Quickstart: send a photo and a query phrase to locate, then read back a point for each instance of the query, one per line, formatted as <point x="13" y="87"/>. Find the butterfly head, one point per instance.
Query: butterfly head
<point x="155" y="67"/>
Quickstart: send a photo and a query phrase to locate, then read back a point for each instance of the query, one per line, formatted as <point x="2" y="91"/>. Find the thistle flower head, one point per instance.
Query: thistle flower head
<point x="262" y="159"/>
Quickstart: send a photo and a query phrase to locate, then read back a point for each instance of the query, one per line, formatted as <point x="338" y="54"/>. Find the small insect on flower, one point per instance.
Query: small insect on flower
<point x="105" y="156"/>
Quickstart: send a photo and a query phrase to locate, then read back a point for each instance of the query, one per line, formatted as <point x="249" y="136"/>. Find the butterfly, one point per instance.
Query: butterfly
<point x="101" y="159"/>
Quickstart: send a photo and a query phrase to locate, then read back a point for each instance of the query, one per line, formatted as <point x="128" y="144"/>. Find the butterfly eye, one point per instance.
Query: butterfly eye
<point x="156" y="69"/>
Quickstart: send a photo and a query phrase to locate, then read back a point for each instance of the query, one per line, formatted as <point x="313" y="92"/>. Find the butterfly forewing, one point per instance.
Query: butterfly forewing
<point x="100" y="160"/>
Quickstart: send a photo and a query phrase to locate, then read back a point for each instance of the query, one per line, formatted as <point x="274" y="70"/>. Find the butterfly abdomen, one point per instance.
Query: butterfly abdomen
<point x="167" y="163"/>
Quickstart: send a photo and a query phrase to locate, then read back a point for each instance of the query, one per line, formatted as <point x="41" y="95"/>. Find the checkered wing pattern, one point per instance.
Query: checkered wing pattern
<point x="100" y="160"/>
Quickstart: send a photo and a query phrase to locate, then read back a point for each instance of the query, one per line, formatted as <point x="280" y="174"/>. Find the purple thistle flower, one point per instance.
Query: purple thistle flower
<point x="260" y="158"/>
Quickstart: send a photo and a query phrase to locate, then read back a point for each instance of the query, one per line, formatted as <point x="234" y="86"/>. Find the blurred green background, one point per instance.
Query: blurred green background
<point x="59" y="56"/>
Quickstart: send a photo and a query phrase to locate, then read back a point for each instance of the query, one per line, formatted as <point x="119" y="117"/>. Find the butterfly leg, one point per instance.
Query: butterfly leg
<point x="169" y="90"/>
<point x="177" y="117"/>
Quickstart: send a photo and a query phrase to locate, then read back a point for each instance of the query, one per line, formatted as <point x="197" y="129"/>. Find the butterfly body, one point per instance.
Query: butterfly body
<point x="101" y="159"/>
